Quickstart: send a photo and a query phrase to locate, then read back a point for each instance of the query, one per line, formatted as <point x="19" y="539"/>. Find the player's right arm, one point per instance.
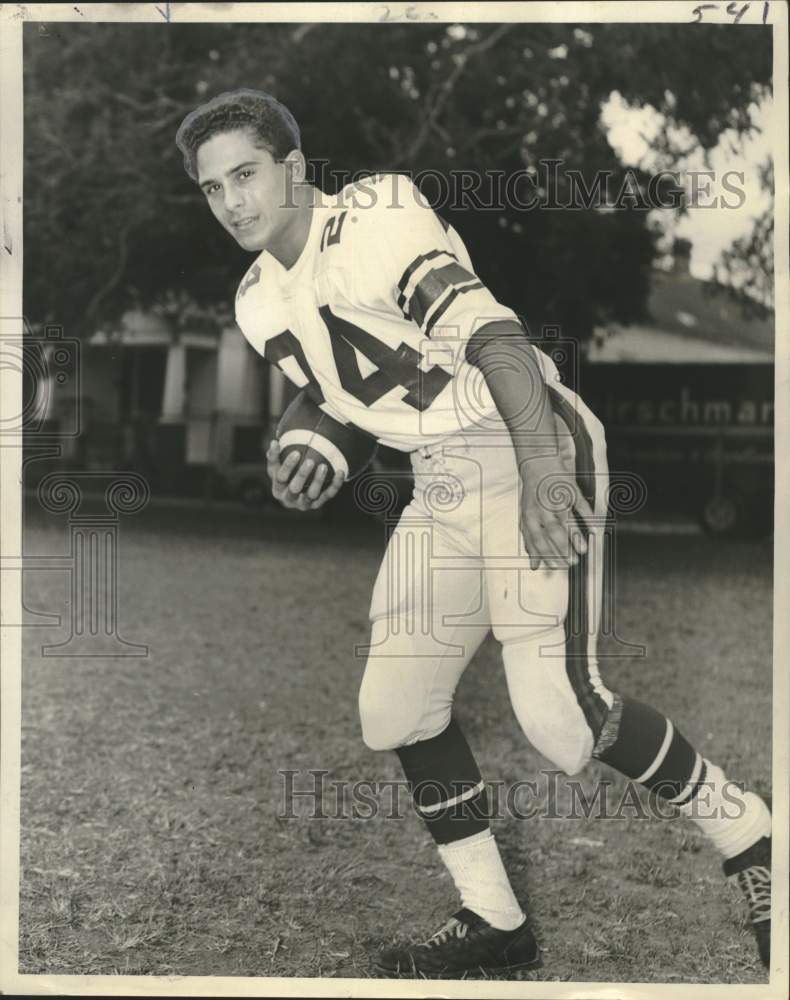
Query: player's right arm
<point x="288" y="478"/>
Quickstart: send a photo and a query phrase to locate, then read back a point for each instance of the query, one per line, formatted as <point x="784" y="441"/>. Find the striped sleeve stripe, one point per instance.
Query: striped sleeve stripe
<point x="448" y="300"/>
<point x="410" y="277"/>
<point x="433" y="285"/>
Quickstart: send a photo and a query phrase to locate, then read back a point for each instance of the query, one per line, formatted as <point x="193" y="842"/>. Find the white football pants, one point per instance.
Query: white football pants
<point x="456" y="567"/>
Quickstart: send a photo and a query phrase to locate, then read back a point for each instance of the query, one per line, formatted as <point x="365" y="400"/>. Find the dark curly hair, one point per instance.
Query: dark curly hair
<point x="272" y="124"/>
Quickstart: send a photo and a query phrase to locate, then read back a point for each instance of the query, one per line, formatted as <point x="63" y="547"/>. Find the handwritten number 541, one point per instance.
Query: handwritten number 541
<point x="732" y="10"/>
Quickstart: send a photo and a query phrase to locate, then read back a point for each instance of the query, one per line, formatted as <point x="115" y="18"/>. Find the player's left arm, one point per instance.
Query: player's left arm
<point x="420" y="272"/>
<point x="510" y="368"/>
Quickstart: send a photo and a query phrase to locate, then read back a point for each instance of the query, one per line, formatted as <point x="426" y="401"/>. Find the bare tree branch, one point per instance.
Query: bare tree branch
<point x="91" y="310"/>
<point x="486" y="133"/>
<point x="447" y="88"/>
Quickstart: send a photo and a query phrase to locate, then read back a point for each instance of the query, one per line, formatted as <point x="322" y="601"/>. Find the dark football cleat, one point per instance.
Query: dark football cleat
<point x="751" y="872"/>
<point x="465" y="944"/>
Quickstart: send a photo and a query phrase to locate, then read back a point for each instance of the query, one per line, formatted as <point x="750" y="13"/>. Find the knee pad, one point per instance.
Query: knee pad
<point x="390" y="715"/>
<point x="544" y="701"/>
<point x="402" y="698"/>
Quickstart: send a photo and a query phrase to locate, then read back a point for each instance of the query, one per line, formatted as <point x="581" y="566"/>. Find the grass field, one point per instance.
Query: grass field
<point x="151" y="836"/>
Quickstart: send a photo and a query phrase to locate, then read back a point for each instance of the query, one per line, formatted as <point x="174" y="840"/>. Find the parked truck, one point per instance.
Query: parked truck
<point x="701" y="436"/>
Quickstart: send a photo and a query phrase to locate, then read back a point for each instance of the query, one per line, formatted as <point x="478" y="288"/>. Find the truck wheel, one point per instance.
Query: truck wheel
<point x="722" y="515"/>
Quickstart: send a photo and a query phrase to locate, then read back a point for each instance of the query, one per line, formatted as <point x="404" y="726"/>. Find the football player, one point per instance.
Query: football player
<point x="369" y="302"/>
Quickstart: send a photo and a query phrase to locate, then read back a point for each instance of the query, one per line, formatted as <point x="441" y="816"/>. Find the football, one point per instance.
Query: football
<point x="304" y="427"/>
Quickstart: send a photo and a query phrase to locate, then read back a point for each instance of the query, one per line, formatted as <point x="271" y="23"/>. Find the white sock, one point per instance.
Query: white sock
<point x="731" y="818"/>
<point x="480" y="877"/>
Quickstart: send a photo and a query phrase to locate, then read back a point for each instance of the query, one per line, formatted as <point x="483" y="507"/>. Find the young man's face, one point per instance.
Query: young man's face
<point x="247" y="191"/>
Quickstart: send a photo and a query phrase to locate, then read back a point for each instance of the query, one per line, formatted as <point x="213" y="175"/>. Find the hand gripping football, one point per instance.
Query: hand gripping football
<point x="307" y="429"/>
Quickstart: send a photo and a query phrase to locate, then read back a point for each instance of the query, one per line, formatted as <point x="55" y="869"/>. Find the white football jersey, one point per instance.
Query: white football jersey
<point x="373" y="318"/>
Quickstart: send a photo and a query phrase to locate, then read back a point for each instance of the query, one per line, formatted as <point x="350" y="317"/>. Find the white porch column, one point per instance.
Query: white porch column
<point x="174" y="394"/>
<point x="239" y="400"/>
<point x="238" y="385"/>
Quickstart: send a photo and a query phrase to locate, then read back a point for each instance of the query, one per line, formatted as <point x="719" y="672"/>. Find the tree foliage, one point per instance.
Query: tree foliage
<point x="111" y="219"/>
<point x="746" y="269"/>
